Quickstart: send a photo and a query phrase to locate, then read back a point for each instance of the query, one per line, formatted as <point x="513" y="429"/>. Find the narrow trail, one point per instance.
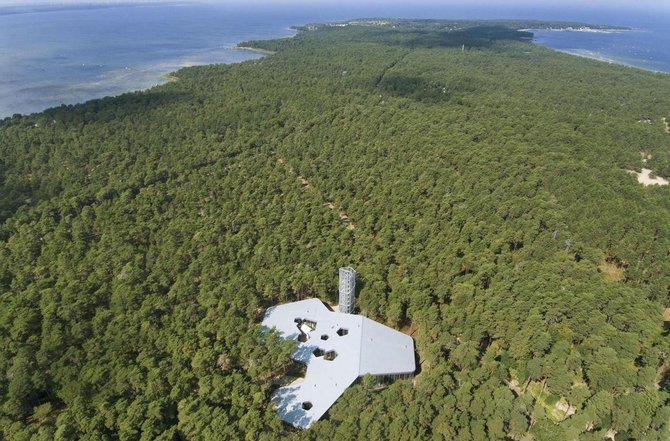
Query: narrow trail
<point x="665" y="125"/>
<point x="307" y="186"/>
<point x="344" y="217"/>
<point x="381" y="76"/>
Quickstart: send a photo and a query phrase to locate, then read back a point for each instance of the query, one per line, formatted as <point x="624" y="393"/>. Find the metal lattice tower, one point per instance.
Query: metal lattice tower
<point x="347" y="290"/>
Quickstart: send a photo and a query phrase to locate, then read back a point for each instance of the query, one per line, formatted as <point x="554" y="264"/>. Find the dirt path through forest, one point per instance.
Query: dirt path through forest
<point x="665" y="125"/>
<point x="381" y="76"/>
<point x="305" y="183"/>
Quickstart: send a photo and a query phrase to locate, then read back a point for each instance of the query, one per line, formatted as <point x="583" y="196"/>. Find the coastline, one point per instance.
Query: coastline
<point x="594" y="56"/>
<point x="584" y="29"/>
<point x="164" y="77"/>
<point x="169" y="77"/>
<point x="254" y="49"/>
<point x="603" y="49"/>
<point x="107" y="83"/>
<point x="590" y="55"/>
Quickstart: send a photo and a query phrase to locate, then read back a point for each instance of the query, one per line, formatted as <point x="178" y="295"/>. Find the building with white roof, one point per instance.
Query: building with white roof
<point x="337" y="348"/>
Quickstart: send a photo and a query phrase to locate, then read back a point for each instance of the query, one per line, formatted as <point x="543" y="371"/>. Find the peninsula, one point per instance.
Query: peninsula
<point x="478" y="183"/>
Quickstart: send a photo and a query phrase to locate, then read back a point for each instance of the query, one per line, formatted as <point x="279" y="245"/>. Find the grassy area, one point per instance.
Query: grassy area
<point x="557" y="409"/>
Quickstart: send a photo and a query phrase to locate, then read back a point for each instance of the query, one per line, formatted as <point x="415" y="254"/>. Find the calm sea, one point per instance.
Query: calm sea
<point x="645" y="46"/>
<point x="50" y="56"/>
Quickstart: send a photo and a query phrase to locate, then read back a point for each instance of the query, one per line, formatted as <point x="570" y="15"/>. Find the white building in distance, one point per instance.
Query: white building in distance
<point x="337" y="348"/>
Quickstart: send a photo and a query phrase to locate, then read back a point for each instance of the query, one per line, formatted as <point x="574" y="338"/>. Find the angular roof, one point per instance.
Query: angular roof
<point x="337" y="349"/>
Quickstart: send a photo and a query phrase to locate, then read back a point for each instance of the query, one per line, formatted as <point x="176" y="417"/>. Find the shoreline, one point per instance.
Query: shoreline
<point x="170" y="76"/>
<point x="593" y="54"/>
<point x="254" y="49"/>
<point x="585" y="30"/>
<point x="163" y="76"/>
<point x="160" y="79"/>
<point x="602" y="58"/>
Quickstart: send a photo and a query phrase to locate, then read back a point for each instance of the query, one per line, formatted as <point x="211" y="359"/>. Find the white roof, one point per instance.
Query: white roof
<point x="366" y="347"/>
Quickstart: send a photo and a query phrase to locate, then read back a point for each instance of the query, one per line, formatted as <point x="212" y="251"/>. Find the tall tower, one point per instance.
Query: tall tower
<point x="347" y="290"/>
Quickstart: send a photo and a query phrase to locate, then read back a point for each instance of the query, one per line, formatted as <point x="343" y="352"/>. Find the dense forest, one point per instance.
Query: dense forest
<point x="478" y="183"/>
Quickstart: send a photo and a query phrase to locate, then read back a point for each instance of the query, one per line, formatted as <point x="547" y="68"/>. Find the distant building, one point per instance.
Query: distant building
<point x="337" y="348"/>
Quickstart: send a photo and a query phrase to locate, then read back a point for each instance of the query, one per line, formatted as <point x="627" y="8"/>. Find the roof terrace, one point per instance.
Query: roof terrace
<point x="337" y="348"/>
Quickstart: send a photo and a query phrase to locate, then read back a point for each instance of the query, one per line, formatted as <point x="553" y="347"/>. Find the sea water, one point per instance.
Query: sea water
<point x="69" y="55"/>
<point x="62" y="55"/>
<point x="644" y="46"/>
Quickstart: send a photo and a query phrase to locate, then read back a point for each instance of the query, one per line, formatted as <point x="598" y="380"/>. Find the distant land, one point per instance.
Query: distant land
<point x="21" y="8"/>
<point x="450" y="25"/>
